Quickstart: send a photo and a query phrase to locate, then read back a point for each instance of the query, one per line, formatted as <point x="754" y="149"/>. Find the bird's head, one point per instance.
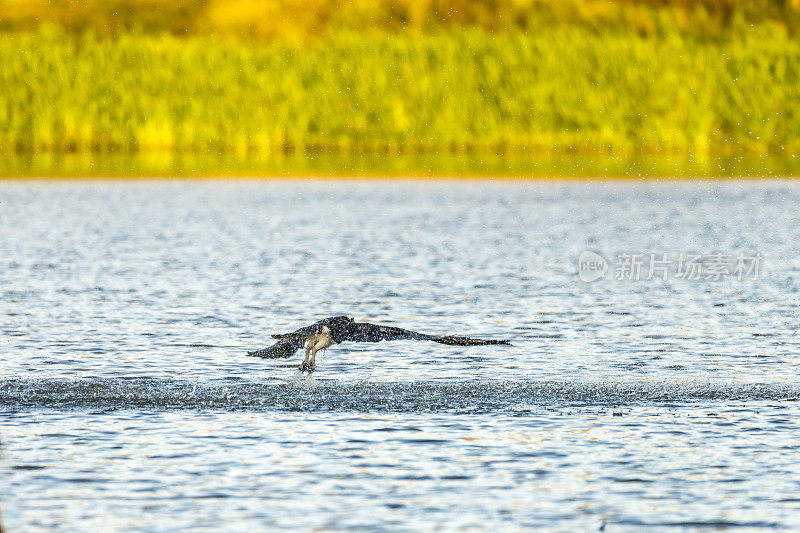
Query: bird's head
<point x="339" y="321"/>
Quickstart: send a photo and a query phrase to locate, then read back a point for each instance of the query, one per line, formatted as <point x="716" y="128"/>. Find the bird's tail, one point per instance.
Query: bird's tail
<point x="467" y="341"/>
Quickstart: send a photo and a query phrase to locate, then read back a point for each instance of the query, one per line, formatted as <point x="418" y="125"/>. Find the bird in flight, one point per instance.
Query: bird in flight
<point x="334" y="330"/>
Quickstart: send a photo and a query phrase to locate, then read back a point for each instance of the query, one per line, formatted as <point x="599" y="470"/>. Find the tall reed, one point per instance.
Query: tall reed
<point x="462" y="91"/>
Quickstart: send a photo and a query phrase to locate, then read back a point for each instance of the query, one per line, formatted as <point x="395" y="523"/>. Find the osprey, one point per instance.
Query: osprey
<point x="336" y="329"/>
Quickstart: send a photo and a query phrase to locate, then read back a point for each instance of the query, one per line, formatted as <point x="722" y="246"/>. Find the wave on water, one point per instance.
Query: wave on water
<point x="327" y="395"/>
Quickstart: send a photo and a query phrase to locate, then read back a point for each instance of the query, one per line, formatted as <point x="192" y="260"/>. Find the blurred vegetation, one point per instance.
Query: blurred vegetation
<point x="465" y="91"/>
<point x="400" y="76"/>
<point x="302" y="20"/>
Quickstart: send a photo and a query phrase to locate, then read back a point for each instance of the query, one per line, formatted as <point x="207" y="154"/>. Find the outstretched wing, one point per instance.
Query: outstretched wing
<point x="344" y="329"/>
<point x="365" y="332"/>
<point x="282" y="348"/>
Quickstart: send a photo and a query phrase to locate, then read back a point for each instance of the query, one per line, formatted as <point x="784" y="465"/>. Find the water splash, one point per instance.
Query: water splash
<point x="304" y="392"/>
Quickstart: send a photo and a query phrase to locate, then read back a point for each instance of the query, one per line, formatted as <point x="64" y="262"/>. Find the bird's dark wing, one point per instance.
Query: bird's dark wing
<point x="452" y="340"/>
<point x="365" y="332"/>
<point x="282" y="348"/>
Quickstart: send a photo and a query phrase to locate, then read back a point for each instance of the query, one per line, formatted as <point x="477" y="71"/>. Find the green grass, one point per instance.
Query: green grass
<point x="463" y="92"/>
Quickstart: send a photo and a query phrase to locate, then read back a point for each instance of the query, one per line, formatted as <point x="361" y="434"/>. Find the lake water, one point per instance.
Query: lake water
<point x="127" y="401"/>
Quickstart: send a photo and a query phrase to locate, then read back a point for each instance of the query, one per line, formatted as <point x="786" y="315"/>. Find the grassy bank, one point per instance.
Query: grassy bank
<point x="407" y="166"/>
<point x="467" y="91"/>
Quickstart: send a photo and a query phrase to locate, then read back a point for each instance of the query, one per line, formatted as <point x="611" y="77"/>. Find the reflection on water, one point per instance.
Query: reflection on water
<point x="127" y="401"/>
